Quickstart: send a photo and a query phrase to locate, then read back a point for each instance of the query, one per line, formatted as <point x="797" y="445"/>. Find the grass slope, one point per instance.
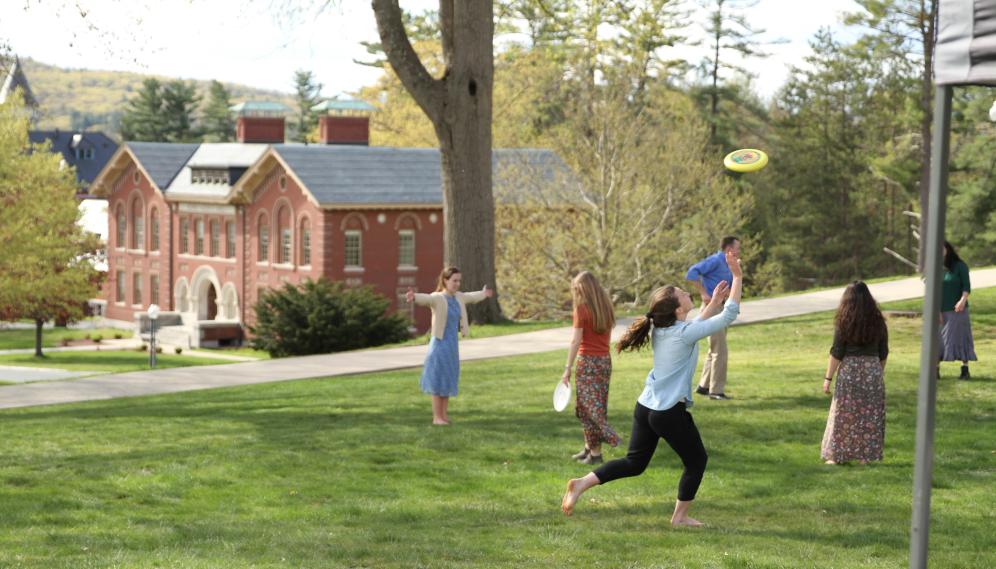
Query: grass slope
<point x="348" y="472"/>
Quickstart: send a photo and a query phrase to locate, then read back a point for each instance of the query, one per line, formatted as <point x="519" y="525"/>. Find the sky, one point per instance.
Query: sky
<point x="243" y="41"/>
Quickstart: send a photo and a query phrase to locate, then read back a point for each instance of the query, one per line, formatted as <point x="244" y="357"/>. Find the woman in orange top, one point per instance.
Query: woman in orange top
<point x="594" y="317"/>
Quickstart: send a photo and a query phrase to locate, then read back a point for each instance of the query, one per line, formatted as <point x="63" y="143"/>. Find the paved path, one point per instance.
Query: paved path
<point x="265" y="371"/>
<point x="21" y="374"/>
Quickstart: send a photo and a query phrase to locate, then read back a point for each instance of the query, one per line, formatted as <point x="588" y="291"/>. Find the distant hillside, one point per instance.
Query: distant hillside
<point x="81" y="99"/>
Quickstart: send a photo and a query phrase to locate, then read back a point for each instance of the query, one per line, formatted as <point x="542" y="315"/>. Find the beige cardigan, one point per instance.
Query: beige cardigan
<point x="437" y="302"/>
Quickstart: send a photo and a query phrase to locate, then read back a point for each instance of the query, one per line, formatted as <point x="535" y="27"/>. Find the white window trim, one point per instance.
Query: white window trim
<point x="354" y="270"/>
<point x="262" y="263"/>
<point x="136" y="251"/>
<point x="407" y="269"/>
<point x="283" y="266"/>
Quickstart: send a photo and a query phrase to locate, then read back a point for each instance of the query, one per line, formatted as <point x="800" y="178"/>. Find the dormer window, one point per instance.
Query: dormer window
<point x="208" y="176"/>
<point x="84" y="154"/>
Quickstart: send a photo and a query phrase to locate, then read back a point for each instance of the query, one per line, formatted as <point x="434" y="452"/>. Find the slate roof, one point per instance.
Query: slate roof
<point x="162" y="160"/>
<point x="384" y="175"/>
<point x="366" y="174"/>
<point x="66" y="142"/>
<point x="15" y="78"/>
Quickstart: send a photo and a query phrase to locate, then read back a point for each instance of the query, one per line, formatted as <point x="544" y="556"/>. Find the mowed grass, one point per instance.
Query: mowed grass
<point x="116" y="361"/>
<point x="23" y="339"/>
<point x="348" y="472"/>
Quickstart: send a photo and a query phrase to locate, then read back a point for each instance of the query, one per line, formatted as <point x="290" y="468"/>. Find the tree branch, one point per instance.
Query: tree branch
<point x="426" y="91"/>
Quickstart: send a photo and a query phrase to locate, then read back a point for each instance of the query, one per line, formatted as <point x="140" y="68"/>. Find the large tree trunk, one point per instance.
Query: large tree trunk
<point x="459" y="106"/>
<point x="38" y="337"/>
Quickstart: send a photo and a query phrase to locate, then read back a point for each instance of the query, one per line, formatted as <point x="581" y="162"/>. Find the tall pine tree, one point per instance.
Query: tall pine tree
<point x="218" y="122"/>
<point x="307" y="92"/>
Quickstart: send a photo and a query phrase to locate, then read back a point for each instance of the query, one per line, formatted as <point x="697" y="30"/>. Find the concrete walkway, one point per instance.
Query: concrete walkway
<point x="265" y="371"/>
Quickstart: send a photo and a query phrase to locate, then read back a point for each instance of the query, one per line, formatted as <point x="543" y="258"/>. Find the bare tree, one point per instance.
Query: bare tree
<point x="459" y="104"/>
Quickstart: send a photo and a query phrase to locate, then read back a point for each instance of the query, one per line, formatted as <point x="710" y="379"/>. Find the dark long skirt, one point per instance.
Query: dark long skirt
<point x="957" y="344"/>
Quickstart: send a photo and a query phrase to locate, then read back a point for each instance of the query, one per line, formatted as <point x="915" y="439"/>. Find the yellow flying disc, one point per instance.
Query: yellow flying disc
<point x="746" y="160"/>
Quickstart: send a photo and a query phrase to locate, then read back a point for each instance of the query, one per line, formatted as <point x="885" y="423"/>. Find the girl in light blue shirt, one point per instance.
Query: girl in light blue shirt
<point x="662" y="410"/>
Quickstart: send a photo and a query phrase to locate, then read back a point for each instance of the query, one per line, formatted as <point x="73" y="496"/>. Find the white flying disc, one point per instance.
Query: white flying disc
<point x="561" y="396"/>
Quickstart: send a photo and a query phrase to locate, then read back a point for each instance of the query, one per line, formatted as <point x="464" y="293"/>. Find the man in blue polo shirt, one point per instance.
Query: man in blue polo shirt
<point x="705" y="275"/>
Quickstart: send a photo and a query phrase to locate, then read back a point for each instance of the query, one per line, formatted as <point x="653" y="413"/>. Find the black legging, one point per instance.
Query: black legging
<point x="674" y="426"/>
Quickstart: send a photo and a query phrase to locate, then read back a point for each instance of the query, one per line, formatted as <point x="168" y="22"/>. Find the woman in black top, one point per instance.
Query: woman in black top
<point x="856" y="425"/>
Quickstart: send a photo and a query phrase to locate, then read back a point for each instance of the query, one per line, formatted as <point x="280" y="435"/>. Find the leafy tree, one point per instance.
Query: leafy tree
<point x="321" y="317"/>
<point x="46" y="259"/>
<point x="306" y="94"/>
<point x="219" y="124"/>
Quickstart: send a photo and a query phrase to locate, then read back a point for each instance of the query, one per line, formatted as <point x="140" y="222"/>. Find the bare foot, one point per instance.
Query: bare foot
<point x="831" y="462"/>
<point x="862" y="462"/>
<point x="571" y="496"/>
<point x="686" y="521"/>
<point x="439" y="422"/>
<point x="449" y="421"/>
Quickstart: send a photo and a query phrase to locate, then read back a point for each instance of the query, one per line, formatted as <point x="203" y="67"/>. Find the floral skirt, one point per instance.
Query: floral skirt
<point x="592" y="379"/>
<point x="856" y="426"/>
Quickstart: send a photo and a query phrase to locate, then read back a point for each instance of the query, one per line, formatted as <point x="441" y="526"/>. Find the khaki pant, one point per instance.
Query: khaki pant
<point x="714" y="371"/>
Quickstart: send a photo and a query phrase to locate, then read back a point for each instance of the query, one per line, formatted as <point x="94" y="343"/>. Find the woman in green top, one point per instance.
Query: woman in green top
<point x="956" y="328"/>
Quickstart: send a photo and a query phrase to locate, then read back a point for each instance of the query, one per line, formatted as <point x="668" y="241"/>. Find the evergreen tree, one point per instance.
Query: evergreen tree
<point x="307" y="92"/>
<point x="729" y="35"/>
<point x="217" y="120"/>
<point x="143" y="119"/>
<point x="180" y="100"/>
<point x="161" y="113"/>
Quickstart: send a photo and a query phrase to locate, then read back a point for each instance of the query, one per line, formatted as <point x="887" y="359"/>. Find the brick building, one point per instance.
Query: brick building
<point x="203" y="230"/>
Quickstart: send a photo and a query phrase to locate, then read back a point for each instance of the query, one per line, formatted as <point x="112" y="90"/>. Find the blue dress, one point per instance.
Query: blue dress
<point x="441" y="371"/>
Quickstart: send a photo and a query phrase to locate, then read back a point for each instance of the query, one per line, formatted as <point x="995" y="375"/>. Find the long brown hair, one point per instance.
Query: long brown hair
<point x="446" y="275"/>
<point x="586" y="291"/>
<point x="664" y="303"/>
<point x="859" y="319"/>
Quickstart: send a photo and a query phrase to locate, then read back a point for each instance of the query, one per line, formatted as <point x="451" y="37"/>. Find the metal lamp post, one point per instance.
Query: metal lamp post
<point x="153" y="316"/>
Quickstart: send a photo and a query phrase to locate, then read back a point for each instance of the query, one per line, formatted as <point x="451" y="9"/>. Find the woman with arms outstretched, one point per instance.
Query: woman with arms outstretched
<point x="662" y="410"/>
<point x="441" y="372"/>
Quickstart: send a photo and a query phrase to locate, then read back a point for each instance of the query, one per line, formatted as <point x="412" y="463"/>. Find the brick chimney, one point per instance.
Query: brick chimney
<point x="345" y="122"/>
<point x="260" y="121"/>
<point x="344" y="130"/>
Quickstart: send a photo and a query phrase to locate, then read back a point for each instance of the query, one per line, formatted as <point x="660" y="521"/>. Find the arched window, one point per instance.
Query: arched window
<point x="231" y="304"/>
<point x="284" y="221"/>
<point x="406" y="248"/>
<point x="181" y="297"/>
<point x="264" y="239"/>
<point x="305" y="242"/>
<point x="122" y="228"/>
<point x="155" y="229"/>
<point x="137" y="224"/>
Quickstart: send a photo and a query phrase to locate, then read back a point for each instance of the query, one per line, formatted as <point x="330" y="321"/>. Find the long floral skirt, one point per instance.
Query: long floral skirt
<point x="592" y="399"/>
<point x="856" y="426"/>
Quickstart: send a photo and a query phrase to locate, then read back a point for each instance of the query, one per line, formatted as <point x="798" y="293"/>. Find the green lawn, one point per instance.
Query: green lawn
<point x="349" y="472"/>
<point x="112" y="361"/>
<point x="25" y="339"/>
